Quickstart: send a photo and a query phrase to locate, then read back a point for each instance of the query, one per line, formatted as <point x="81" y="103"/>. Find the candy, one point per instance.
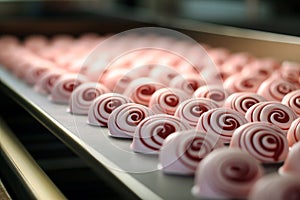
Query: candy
<point x="292" y="162"/>
<point x="221" y="123"/>
<point x="190" y="110"/>
<point x="123" y="121"/>
<point x="153" y="130"/>
<point x="102" y="107"/>
<point x="83" y="96"/>
<point x="276" y="187"/>
<point x="264" y="141"/>
<point x="166" y="100"/>
<point x="293" y="134"/>
<point x="242" y="83"/>
<point x="272" y="112"/>
<point x="242" y="101"/>
<point x="292" y="100"/>
<point x="163" y="74"/>
<point x="226" y="174"/>
<point x="182" y="151"/>
<point x="64" y="86"/>
<point x="214" y="92"/>
<point x="275" y="88"/>
<point x="141" y="90"/>
<point x="188" y="82"/>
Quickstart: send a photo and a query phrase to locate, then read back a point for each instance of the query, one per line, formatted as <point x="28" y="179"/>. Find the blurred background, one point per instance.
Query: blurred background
<point x="266" y="15"/>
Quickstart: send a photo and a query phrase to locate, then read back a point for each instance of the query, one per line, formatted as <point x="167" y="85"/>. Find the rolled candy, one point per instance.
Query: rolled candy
<point x="242" y="83"/>
<point x="190" y="110"/>
<point x="123" y="121"/>
<point x="242" y="101"/>
<point x="182" y="151"/>
<point x="292" y="162"/>
<point x="36" y="42"/>
<point x="45" y="84"/>
<point x="221" y="123"/>
<point x="102" y="107"/>
<point x="163" y="74"/>
<point x="141" y="90"/>
<point x="293" y="134"/>
<point x="275" y="88"/>
<point x="214" y="92"/>
<point x="83" y="96"/>
<point x="153" y="130"/>
<point x="276" y="187"/>
<point x="188" y="82"/>
<point x="166" y="100"/>
<point x="64" y="87"/>
<point x="292" y="100"/>
<point x="110" y="77"/>
<point x="264" y="141"/>
<point x="272" y="112"/>
<point x="226" y="173"/>
<point x="290" y="71"/>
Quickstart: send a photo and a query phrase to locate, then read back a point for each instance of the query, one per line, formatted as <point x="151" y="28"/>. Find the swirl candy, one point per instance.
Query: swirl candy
<point x="166" y="100"/>
<point x="123" y="121"/>
<point x="83" y="96"/>
<point x="226" y="174"/>
<point x="102" y="107"/>
<point x="242" y="101"/>
<point x="182" y="151"/>
<point x="163" y="74"/>
<point x="275" y="88"/>
<point x="141" y="90"/>
<point x="293" y="134"/>
<point x="265" y="142"/>
<point x="292" y="162"/>
<point x="221" y="123"/>
<point x="242" y="83"/>
<point x="292" y="100"/>
<point x="188" y="82"/>
<point x="45" y="84"/>
<point x="64" y="86"/>
<point x="214" y="92"/>
<point x="190" y="110"/>
<point x="276" y="187"/>
<point x="153" y="130"/>
<point x="272" y="112"/>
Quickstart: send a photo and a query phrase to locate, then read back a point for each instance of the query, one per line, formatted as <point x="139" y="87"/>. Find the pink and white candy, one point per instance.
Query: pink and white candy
<point x="182" y="151"/>
<point x="83" y="96"/>
<point x="275" y="187"/>
<point x="187" y="82"/>
<point x="123" y="121"/>
<point x="45" y="84"/>
<point x="271" y="112"/>
<point x="214" y="92"/>
<point x="153" y="130"/>
<point x="226" y="173"/>
<point x="64" y="87"/>
<point x="221" y="123"/>
<point x="242" y="83"/>
<point x="264" y="141"/>
<point x="293" y="134"/>
<point x="292" y="100"/>
<point x="166" y="100"/>
<point x="103" y="106"/>
<point x="292" y="162"/>
<point x="190" y="110"/>
<point x="242" y="101"/>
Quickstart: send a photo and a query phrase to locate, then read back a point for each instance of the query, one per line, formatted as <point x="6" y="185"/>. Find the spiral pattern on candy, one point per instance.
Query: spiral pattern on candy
<point x="274" y="89"/>
<point x="83" y="96"/>
<point x="188" y="83"/>
<point x="141" y="90"/>
<point x="166" y="100"/>
<point x="221" y="123"/>
<point x="182" y="151"/>
<point x="272" y="112"/>
<point x="190" y="110"/>
<point x="123" y="121"/>
<point x="265" y="142"/>
<point x="102" y="107"/>
<point x="214" y="92"/>
<point x="242" y="83"/>
<point x="227" y="174"/>
<point x="242" y="101"/>
<point x="64" y="86"/>
<point x="292" y="100"/>
<point x="293" y="134"/>
<point x="45" y="84"/>
<point x="152" y="131"/>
